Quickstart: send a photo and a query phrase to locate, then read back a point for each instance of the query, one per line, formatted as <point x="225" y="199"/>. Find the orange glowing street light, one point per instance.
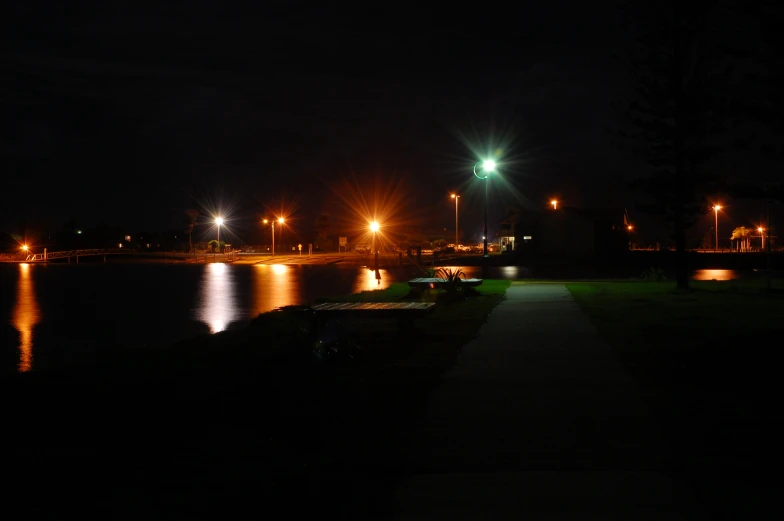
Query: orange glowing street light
<point x="456" y="198"/>
<point x="374" y="228"/>
<point x="281" y="221"/>
<point x="762" y="236"/>
<point x="716" y="209"/>
<point x="25" y="247"/>
<point x="555" y="204"/>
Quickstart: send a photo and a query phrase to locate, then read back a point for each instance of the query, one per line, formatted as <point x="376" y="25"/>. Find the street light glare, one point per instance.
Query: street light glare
<point x="265" y="221"/>
<point x="24" y="247"/>
<point x="219" y="221"/>
<point x="717" y="207"/>
<point x="488" y="166"/>
<point x="374" y="227"/>
<point x="280" y="220"/>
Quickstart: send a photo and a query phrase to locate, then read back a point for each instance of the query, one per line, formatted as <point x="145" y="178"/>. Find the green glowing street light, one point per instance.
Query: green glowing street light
<point x="488" y="167"/>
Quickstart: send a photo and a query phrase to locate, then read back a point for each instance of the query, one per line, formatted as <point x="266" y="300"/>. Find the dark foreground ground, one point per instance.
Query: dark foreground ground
<point x="240" y="423"/>
<point x="247" y="424"/>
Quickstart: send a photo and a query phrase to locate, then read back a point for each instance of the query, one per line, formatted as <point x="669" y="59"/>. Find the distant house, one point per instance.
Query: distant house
<point x="567" y="231"/>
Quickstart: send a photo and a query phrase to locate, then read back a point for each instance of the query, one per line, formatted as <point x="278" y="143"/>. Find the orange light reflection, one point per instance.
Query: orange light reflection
<point x="367" y="280"/>
<point x="25" y="316"/>
<point x="714" y="275"/>
<point x="275" y="286"/>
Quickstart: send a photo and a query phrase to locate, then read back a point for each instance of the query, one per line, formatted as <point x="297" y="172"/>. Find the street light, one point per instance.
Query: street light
<point x="456" y="198"/>
<point x="762" y="236"/>
<point x="716" y="209"/>
<point x="555" y="204"/>
<point x="488" y="167"/>
<point x="25" y="247"/>
<point x="374" y="229"/>
<point x="281" y="221"/>
<point x="219" y="221"/>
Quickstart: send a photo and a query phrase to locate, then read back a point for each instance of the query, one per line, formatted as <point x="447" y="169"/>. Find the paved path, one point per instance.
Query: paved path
<point x="538" y="420"/>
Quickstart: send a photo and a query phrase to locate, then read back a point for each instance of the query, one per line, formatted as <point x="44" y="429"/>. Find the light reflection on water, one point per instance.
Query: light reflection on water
<point x="25" y="316"/>
<point x="190" y="299"/>
<point x="715" y="275"/>
<point x="369" y="280"/>
<point x="218" y="303"/>
<point x="275" y="286"/>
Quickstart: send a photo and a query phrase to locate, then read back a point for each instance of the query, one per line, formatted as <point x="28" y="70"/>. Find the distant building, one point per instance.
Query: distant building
<point x="566" y="231"/>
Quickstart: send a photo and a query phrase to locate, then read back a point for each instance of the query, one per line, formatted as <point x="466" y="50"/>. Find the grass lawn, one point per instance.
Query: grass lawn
<point x="706" y="361"/>
<point x="213" y="418"/>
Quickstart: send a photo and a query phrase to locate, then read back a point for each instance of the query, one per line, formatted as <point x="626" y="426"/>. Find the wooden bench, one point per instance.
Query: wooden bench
<point x="403" y="312"/>
<point x="436" y="282"/>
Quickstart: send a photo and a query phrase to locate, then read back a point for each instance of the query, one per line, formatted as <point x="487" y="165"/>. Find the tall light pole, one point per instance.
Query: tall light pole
<point x="374" y="229"/>
<point x="265" y="221"/>
<point x="555" y="204"/>
<point x="716" y="209"/>
<point x="456" y="198"/>
<point x="281" y="221"/>
<point x="218" y="222"/>
<point x="488" y="167"/>
<point x="762" y="236"/>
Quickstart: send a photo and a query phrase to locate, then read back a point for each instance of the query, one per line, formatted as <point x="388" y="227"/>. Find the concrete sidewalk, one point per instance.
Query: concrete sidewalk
<point x="538" y="420"/>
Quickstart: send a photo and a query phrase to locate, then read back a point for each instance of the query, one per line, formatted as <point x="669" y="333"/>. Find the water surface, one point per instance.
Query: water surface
<point x="53" y="312"/>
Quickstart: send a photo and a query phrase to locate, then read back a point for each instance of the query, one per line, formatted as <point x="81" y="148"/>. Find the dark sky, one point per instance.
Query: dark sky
<point x="127" y="116"/>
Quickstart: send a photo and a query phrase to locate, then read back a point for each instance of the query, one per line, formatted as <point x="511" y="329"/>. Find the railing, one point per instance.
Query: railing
<point x="46" y="256"/>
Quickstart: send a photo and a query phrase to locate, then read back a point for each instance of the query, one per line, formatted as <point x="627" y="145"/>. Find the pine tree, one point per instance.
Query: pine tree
<point x="679" y="109"/>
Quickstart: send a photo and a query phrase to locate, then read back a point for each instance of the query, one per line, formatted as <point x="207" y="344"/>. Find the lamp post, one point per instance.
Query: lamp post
<point x="456" y="198"/>
<point x="281" y="221"/>
<point x="555" y="204"/>
<point x="762" y="236"/>
<point x="374" y="229"/>
<point x="218" y="222"/>
<point x="716" y="209"/>
<point x="488" y="167"/>
<point x="265" y="221"/>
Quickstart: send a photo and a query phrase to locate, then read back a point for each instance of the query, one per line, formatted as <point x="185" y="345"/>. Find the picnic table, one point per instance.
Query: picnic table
<point x="436" y="282"/>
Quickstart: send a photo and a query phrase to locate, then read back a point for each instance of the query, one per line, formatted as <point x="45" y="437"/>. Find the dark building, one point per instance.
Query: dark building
<point x="565" y="232"/>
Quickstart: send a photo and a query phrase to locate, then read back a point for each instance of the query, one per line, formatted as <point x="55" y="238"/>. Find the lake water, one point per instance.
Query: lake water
<point x="51" y="311"/>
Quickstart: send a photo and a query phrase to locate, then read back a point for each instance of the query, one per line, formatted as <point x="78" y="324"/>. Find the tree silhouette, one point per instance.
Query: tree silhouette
<point x="323" y="225"/>
<point x="679" y="109"/>
<point x="742" y="234"/>
<point x="191" y="217"/>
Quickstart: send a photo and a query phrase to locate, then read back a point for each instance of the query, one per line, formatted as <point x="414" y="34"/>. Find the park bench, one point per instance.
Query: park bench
<point x="425" y="283"/>
<point x="403" y="312"/>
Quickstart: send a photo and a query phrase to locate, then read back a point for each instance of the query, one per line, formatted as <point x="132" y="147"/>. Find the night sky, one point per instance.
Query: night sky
<point x="128" y="116"/>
